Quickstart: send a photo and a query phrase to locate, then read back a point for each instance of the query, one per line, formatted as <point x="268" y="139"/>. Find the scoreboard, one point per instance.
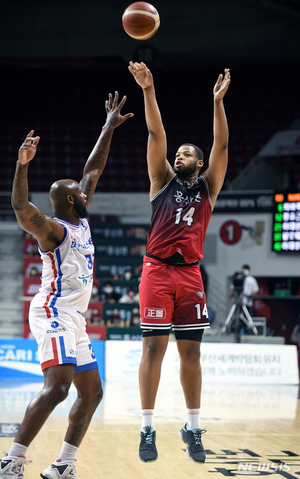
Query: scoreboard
<point x="286" y="222"/>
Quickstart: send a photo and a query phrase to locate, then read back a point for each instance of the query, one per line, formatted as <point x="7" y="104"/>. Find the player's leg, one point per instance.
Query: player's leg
<point x="190" y="317"/>
<point x="156" y="306"/>
<point x="154" y="348"/>
<point x="57" y="381"/>
<point x="190" y="371"/>
<point x="89" y="394"/>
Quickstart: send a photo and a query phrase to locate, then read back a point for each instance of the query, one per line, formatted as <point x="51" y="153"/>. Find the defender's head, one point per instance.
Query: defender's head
<point x="67" y="198"/>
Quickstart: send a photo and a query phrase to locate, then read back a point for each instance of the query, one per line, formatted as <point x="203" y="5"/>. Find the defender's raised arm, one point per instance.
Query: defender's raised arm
<point x="96" y="162"/>
<point x="46" y="230"/>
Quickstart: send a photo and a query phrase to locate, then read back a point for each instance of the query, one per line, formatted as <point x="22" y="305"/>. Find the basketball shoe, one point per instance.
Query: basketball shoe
<point x="12" y="467"/>
<point x="192" y="437"/>
<point x="147" y="449"/>
<point x="60" y="470"/>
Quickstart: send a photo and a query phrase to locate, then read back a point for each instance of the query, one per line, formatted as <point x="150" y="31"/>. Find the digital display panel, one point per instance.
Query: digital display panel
<point x="286" y="222"/>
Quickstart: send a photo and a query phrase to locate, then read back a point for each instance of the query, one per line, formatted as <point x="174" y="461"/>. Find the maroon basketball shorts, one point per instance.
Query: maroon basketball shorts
<point x="172" y="296"/>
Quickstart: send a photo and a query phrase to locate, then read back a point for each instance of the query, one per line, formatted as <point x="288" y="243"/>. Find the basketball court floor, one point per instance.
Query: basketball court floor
<point x="251" y="431"/>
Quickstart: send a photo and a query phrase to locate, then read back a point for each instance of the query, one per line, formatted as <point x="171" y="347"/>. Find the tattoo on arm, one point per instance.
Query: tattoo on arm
<point x="20" y="189"/>
<point x="37" y="220"/>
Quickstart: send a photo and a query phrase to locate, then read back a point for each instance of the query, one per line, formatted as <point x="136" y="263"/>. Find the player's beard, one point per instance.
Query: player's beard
<point x="80" y="208"/>
<point x="186" y="172"/>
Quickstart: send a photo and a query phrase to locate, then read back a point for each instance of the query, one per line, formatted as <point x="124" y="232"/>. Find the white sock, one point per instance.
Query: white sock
<point x="193" y="418"/>
<point x="147" y="418"/>
<point x="68" y="452"/>
<point x="17" y="449"/>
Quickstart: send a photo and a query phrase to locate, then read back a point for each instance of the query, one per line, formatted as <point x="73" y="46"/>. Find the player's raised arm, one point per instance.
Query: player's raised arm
<point x="96" y="162"/>
<point x="46" y="230"/>
<point x="215" y="173"/>
<point x="159" y="169"/>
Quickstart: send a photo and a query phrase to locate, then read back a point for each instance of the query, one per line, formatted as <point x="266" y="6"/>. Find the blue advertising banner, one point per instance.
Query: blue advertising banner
<point x="19" y="358"/>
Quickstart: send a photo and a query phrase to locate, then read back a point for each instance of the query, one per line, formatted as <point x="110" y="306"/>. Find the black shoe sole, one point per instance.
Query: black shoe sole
<point x="150" y="460"/>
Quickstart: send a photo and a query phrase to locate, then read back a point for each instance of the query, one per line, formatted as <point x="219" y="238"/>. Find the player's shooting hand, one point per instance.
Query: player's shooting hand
<point x="222" y="85"/>
<point x="141" y="74"/>
<point x="27" y="150"/>
<point x="113" y="110"/>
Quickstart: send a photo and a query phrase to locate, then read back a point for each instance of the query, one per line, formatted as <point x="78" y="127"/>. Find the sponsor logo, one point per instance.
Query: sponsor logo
<point x="157" y="313"/>
<point x="72" y="352"/>
<point x="200" y="293"/>
<point x="148" y="264"/>
<point x="54" y="324"/>
<point x="84" y="278"/>
<point x="75" y="244"/>
<point x="59" y="330"/>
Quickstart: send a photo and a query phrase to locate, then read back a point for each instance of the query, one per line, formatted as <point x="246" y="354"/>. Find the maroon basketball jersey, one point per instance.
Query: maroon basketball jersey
<point x="180" y="216"/>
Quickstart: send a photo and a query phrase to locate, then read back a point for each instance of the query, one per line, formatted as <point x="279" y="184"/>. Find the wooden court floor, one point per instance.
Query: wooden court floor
<point x="251" y="431"/>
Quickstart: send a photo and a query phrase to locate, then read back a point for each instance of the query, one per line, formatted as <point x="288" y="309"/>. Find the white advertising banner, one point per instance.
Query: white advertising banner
<point x="283" y="143"/>
<point x="221" y="362"/>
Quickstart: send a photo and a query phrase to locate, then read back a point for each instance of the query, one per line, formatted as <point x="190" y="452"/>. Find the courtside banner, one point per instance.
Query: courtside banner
<point x="221" y="362"/>
<point x="19" y="358"/>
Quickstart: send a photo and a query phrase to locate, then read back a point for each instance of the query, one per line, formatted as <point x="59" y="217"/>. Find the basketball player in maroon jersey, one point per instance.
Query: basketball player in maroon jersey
<point x="171" y="288"/>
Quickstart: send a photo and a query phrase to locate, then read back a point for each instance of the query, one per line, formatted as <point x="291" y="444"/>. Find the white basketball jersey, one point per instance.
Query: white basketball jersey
<point x="67" y="275"/>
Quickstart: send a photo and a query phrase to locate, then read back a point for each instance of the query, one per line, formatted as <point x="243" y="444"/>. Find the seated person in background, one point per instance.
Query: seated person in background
<point x="109" y="295"/>
<point x="127" y="274"/>
<point x="115" y="319"/>
<point x="129" y="297"/>
<point x="135" y="320"/>
<point x="95" y="293"/>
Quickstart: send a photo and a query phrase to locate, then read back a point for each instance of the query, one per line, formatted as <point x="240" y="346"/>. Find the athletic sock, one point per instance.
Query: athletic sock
<point x="17" y="449"/>
<point x="193" y="418"/>
<point x="68" y="452"/>
<point x="148" y="418"/>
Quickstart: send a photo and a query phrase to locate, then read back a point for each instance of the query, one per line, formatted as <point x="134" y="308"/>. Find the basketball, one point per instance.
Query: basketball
<point x="141" y="20"/>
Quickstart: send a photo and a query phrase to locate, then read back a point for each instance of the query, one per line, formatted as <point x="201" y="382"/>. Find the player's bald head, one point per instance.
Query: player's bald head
<point x="61" y="189"/>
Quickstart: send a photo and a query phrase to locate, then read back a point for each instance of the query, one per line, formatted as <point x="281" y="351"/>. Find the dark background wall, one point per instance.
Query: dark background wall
<point x="59" y="60"/>
<point x="225" y="31"/>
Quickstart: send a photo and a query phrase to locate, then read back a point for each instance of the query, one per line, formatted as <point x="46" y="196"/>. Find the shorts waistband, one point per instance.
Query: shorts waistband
<point x="170" y="262"/>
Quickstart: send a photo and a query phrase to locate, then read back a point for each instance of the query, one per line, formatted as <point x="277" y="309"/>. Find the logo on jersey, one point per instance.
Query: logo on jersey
<point x="54" y="324"/>
<point x="157" y="313"/>
<point x="75" y="244"/>
<point x="200" y="293"/>
<point x="72" y="352"/>
<point x="185" y="200"/>
<point x="59" y="330"/>
<point x="84" y="278"/>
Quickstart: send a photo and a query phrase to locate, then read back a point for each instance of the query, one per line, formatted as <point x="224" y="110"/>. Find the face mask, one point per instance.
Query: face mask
<point x="94" y="291"/>
<point x="246" y="272"/>
<point x="108" y="289"/>
<point x="127" y="275"/>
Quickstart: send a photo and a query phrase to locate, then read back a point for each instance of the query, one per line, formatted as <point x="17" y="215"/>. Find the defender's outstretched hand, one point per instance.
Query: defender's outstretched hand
<point x="141" y="74"/>
<point x="222" y="85"/>
<point x="113" y="110"/>
<point x="27" y="150"/>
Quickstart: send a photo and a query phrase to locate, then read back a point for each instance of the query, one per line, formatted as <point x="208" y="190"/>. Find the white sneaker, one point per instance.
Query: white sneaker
<point x="60" y="470"/>
<point x="12" y="467"/>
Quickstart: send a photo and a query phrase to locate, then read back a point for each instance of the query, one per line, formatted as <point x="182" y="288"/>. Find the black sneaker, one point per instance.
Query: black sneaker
<point x="192" y="437"/>
<point x="147" y="449"/>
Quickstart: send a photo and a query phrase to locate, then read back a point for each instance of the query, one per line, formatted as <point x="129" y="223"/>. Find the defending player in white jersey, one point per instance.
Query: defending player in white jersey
<point x="67" y="252"/>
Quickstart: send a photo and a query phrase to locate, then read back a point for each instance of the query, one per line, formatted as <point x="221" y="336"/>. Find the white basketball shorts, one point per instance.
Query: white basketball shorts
<point x="62" y="340"/>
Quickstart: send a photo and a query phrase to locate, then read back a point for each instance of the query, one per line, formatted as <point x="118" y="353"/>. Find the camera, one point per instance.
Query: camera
<point x="238" y="280"/>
